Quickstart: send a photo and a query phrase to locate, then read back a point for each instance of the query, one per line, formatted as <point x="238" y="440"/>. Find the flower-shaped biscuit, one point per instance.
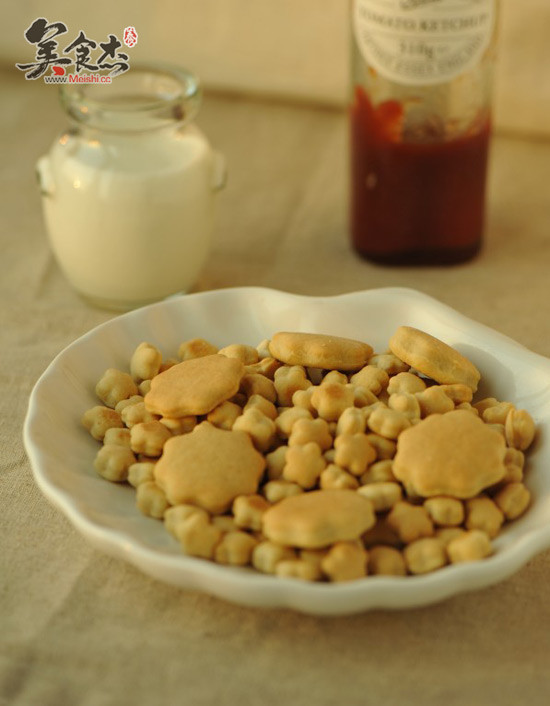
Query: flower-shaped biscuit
<point x="453" y="454"/>
<point x="209" y="467"/>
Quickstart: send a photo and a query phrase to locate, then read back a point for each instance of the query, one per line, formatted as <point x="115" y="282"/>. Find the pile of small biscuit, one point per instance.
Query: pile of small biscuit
<point x="311" y="457"/>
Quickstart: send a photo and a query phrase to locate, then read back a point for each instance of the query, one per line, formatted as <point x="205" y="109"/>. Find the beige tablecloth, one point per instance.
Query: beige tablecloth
<point x="78" y="627"/>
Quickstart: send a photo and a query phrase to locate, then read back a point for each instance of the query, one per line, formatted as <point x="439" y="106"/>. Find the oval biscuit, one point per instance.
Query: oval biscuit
<point x="318" y="518"/>
<point x="316" y="350"/>
<point x="433" y="358"/>
<point x="195" y="386"/>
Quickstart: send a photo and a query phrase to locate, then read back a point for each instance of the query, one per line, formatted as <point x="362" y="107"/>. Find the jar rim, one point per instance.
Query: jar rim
<point x="148" y="95"/>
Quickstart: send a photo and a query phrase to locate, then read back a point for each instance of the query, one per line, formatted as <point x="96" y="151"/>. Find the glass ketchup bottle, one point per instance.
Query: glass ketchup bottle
<point x="420" y="128"/>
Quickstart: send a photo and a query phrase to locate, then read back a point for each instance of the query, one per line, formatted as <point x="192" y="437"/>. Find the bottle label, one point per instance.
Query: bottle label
<point x="422" y="42"/>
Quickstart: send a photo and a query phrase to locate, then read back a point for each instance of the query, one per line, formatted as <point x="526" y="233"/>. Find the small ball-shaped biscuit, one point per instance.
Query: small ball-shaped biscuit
<point x="331" y="399"/>
<point x="445" y="511"/>
<point x="520" y="429"/>
<point x="335" y="477"/>
<point x="388" y="423"/>
<point x="383" y="495"/>
<point x="319" y="518"/>
<point x="261" y="429"/>
<point x="99" y="419"/>
<point x="145" y="362"/>
<point x="335" y="376"/>
<point x="148" y="438"/>
<point x="298" y="569"/>
<point x="248" y="511"/>
<point x="389" y="362"/>
<point x="196" y="348"/>
<point x="484" y="514"/>
<point x="253" y="384"/>
<point x="115" y="386"/>
<point x="141" y="472"/>
<point x="264" y="405"/>
<point x="425" y="555"/>
<point x="351" y="421"/>
<point x="136" y="414"/>
<point x="405" y="403"/>
<point x="371" y="378"/>
<point x="472" y="545"/>
<point x="235" y="548"/>
<point x="353" y="452"/>
<point x="447" y="534"/>
<point x="496" y="414"/>
<point x="345" y="561"/>
<point x="458" y="393"/>
<point x="144" y="387"/>
<point x="288" y="380"/>
<point x="304" y="464"/>
<point x="224" y="415"/>
<point x="266" y="555"/>
<point x="134" y="399"/>
<point x="181" y="425"/>
<point x="266" y="367"/>
<point x="513" y="500"/>
<point x="302" y="399"/>
<point x="287" y="418"/>
<point x="198" y="536"/>
<point x="246" y="354"/>
<point x="275" y="462"/>
<point x="151" y="500"/>
<point x="276" y="490"/>
<point x="306" y="430"/>
<point x="410" y="522"/>
<point x="175" y="516"/>
<point x="433" y="400"/>
<point x="386" y="561"/>
<point x="378" y="472"/>
<point x="115" y="435"/>
<point x="112" y="462"/>
<point x="385" y="448"/>
<point x="406" y="382"/>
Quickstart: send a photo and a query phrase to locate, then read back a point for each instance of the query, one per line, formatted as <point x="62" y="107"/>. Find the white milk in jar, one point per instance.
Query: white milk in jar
<point x="129" y="190"/>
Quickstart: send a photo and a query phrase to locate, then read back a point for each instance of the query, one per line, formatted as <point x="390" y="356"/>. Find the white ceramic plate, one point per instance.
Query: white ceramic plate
<point x="62" y="452"/>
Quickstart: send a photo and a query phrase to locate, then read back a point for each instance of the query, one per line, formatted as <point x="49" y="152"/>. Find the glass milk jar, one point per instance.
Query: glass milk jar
<point x="128" y="190"/>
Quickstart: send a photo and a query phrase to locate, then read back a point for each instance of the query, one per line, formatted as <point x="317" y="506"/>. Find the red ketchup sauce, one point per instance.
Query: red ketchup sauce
<point x="414" y="202"/>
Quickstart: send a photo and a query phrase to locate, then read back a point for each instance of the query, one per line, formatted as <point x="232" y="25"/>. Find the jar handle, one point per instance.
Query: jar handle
<point x="44" y="177"/>
<point x="219" y="172"/>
